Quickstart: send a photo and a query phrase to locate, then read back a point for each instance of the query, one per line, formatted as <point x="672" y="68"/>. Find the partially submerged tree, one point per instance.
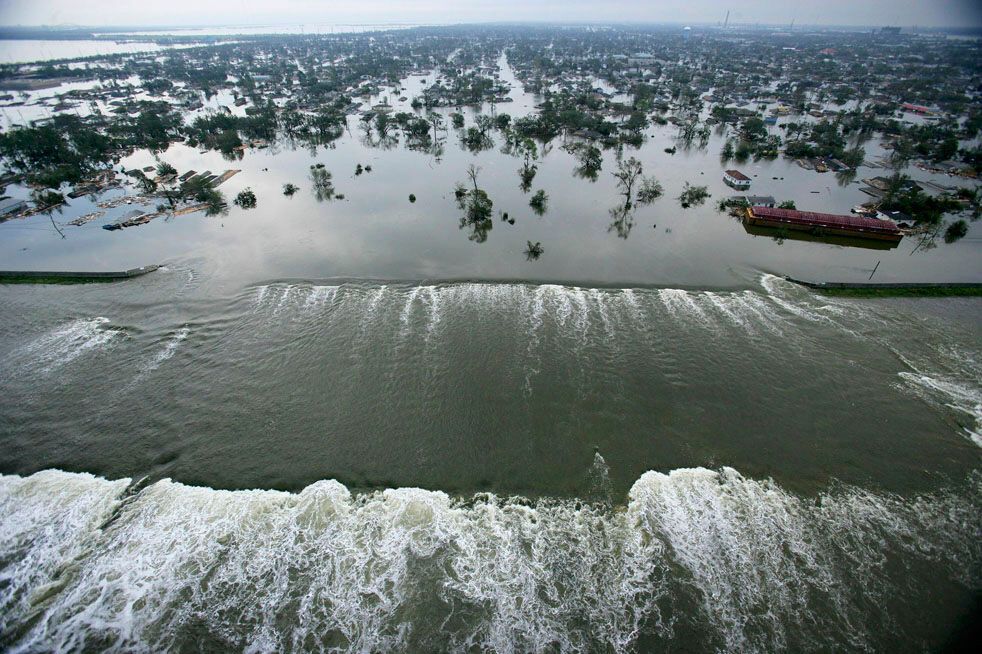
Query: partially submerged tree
<point x="164" y="169"/>
<point x="322" y="183"/>
<point x="589" y="160"/>
<point x="246" y="199"/>
<point x="46" y="199"/>
<point x="533" y="250"/>
<point x="627" y="174"/>
<point x="476" y="206"/>
<point x="649" y="191"/>
<point x="904" y="195"/>
<point x="955" y="231"/>
<point x="146" y="184"/>
<point x="693" y="195"/>
<point x="630" y="174"/>
<point x="539" y="202"/>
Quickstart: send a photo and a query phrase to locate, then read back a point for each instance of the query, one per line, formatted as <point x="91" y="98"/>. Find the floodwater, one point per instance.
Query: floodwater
<point x="305" y="28"/>
<point x="13" y="51"/>
<point x="346" y="425"/>
<point x="375" y="232"/>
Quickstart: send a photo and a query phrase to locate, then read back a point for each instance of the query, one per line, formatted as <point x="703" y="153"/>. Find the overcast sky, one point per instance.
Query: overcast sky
<point x="926" y="13"/>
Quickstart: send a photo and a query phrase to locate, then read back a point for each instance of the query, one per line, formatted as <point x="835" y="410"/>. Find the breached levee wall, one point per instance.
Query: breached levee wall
<point x="708" y="558"/>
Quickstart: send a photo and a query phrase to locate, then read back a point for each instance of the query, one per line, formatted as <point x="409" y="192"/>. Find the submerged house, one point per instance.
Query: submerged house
<point x="736" y="179"/>
<point x="11" y="206"/>
<point x="916" y="108"/>
<point x="755" y="200"/>
<point x="824" y="224"/>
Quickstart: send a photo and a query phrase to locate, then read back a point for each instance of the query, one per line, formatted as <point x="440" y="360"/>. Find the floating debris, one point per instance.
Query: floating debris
<point x="190" y="209"/>
<point x="224" y="177"/>
<point x="134" y="218"/>
<point x="89" y="217"/>
<point x="124" y="199"/>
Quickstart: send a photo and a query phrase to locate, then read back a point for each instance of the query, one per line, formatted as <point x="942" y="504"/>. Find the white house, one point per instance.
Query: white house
<point x="736" y="179"/>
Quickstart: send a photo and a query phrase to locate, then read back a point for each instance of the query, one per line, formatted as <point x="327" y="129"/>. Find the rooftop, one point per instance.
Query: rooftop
<point x="826" y="220"/>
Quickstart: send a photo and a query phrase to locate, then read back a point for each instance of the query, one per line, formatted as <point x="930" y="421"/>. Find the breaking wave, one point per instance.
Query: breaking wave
<point x="575" y="311"/>
<point x="66" y="343"/>
<point x="956" y="394"/>
<point x="709" y="558"/>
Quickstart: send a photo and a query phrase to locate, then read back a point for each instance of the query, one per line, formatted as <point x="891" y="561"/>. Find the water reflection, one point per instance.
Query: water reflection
<point x="622" y="220"/>
<point x="533" y="250"/>
<point x="539" y="202"/>
<point x="629" y="175"/>
<point x="589" y="160"/>
<point x="780" y="235"/>
<point x="572" y="175"/>
<point x="323" y="185"/>
<point x="476" y="206"/>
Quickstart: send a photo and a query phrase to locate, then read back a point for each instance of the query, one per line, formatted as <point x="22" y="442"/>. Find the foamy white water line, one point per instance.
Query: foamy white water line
<point x="64" y="344"/>
<point x="404" y="569"/>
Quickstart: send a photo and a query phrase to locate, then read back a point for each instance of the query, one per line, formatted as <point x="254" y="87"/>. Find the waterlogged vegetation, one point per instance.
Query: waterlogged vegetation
<point x="246" y="199"/>
<point x="897" y="115"/>
<point x="322" y="182"/>
<point x="476" y="206"/>
<point x="693" y="196"/>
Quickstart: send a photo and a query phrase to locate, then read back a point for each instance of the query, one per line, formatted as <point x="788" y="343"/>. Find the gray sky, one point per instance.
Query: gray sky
<point x="925" y="13"/>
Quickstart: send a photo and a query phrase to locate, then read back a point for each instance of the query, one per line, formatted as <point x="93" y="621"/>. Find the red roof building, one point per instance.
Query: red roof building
<point x="916" y="108"/>
<point x="824" y="223"/>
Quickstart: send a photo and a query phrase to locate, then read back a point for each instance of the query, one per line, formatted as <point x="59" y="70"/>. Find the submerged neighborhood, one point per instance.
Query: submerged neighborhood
<point x="895" y="113"/>
<point x="403" y="326"/>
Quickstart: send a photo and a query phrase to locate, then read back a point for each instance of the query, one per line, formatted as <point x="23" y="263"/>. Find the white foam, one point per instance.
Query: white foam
<point x="408" y="569"/>
<point x="374" y="299"/>
<point x="261" y="293"/>
<point x="47" y="520"/>
<point x="727" y="305"/>
<point x="407" y="309"/>
<point x="682" y="306"/>
<point x="170" y="347"/>
<point x="776" y="290"/>
<point x="284" y="298"/>
<point x="578" y="296"/>
<point x="320" y="296"/>
<point x="66" y="343"/>
<point x="752" y="305"/>
<point x="576" y="313"/>
<point x="630" y="301"/>
<point x="433" y="302"/>
<point x="958" y="395"/>
<point x="600" y="299"/>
